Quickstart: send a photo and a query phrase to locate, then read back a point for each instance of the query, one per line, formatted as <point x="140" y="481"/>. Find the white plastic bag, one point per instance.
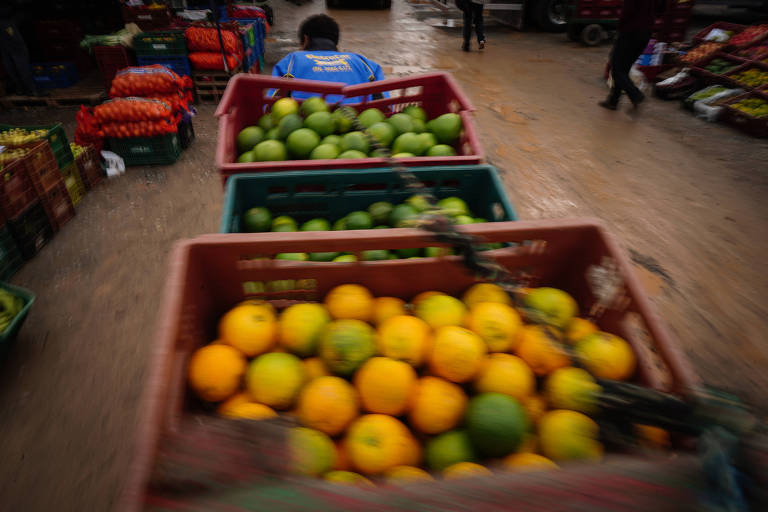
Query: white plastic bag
<point x="115" y="163"/>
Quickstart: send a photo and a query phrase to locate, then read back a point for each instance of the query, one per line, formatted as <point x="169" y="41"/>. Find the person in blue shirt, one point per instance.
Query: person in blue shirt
<point x="320" y="59"/>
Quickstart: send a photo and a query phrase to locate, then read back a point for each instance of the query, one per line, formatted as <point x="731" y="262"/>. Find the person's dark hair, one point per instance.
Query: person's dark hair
<point x="319" y="25"/>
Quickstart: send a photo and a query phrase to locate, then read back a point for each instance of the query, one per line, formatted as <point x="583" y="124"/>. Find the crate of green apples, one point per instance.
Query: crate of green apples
<point x="271" y="124"/>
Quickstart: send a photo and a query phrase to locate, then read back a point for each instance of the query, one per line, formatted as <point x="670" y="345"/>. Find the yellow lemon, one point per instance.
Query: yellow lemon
<point x="441" y="310"/>
<point x="606" y="356"/>
<point x="250" y="328"/>
<point x="405" y="338"/>
<point x="275" y="379"/>
<point x="424" y="295"/>
<point x="569" y="435"/>
<point x="216" y="371"/>
<point x="504" y="373"/>
<point x="437" y="405"/>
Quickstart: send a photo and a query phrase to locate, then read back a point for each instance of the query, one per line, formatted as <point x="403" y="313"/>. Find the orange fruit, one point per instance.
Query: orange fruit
<point x="250" y="328"/>
<point x="485" y="292"/>
<point x="535" y="406"/>
<point x="440" y="310"/>
<point x="578" y="329"/>
<point x="385" y="308"/>
<point x="465" y="470"/>
<point x="569" y="435"/>
<point x="275" y="379"/>
<point x="315" y="367"/>
<point x="250" y="411"/>
<point x="652" y="437"/>
<point x="572" y="388"/>
<point x="528" y="462"/>
<point x="350" y="301"/>
<point x="539" y="348"/>
<point x="504" y="373"/>
<point x="406" y="338"/>
<point x="216" y="372"/>
<point x="300" y="327"/>
<point x="457" y="353"/>
<point x="497" y="324"/>
<point x="327" y="404"/>
<point x="437" y="405"/>
<point x="342" y="459"/>
<point x="404" y="475"/>
<point x="376" y="443"/>
<point x="385" y="385"/>
<point x="412" y="454"/>
<point x="347" y="478"/>
<point x="606" y="356"/>
<point x="424" y="295"/>
<point x="226" y="406"/>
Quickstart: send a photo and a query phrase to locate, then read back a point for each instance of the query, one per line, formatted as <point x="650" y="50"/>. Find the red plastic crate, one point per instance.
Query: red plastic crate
<point x="147" y="19"/>
<point x="58" y="206"/>
<point x="708" y="76"/>
<point x="89" y="165"/>
<point x="245" y="100"/>
<point x="747" y="65"/>
<point x="724" y="25"/>
<point x="210" y="274"/>
<point x="16" y="190"/>
<point x="42" y="169"/>
<point x="110" y="60"/>
<point x="754" y="126"/>
<point x="599" y="12"/>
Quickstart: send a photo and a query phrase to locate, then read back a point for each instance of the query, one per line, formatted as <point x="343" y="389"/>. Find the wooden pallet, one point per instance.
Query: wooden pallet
<point x="210" y="85"/>
<point x="89" y="91"/>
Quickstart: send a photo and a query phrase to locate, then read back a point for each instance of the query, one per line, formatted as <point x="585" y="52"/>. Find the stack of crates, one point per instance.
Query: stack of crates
<point x="49" y="184"/>
<point x="167" y="47"/>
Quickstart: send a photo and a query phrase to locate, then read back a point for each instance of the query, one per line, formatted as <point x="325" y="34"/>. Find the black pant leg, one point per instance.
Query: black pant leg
<point x="466" y="10"/>
<point x="629" y="46"/>
<point x="477" y="14"/>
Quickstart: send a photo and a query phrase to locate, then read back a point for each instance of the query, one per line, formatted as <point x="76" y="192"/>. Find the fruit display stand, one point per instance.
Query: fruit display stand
<point x="722" y="25"/>
<point x="42" y="169"/>
<point x="332" y="194"/>
<point x="16" y="190"/>
<point x="246" y="99"/>
<point x="31" y="230"/>
<point x="211" y="273"/>
<point x="755" y="126"/>
<point x="732" y="76"/>
<point x="9" y="334"/>
<point x="711" y="77"/>
<point x="168" y="48"/>
<point x="55" y="136"/>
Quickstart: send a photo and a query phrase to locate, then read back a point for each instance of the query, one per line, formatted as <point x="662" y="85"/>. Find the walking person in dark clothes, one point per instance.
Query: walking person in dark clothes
<point x="473" y="13"/>
<point x="14" y="52"/>
<point x="635" y="27"/>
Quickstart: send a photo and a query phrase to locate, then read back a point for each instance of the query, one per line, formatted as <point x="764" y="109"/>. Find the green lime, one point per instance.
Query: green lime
<point x="375" y="255"/>
<point x="343" y="118"/>
<point x="453" y="206"/>
<point x="370" y="116"/>
<point x="345" y="258"/>
<point x="284" y="107"/>
<point x="266" y="123"/>
<point x="433" y="252"/>
<point x="352" y="153"/>
<point x="318" y="224"/>
<point x="359" y="220"/>
<point x="419" y="126"/>
<point x="403" y="155"/>
<point x="379" y="153"/>
<point x="272" y="134"/>
<point x="312" y="105"/>
<point x="332" y="139"/>
<point x="383" y="132"/>
<point x="490" y="246"/>
<point x="463" y="219"/>
<point x="324" y="152"/>
<point x="415" y="112"/>
<point x="292" y="256"/>
<point x="380" y="212"/>
<point x="248" y="156"/>
<point x="427" y="141"/>
<point x="446" y="128"/>
<point x="401" y="213"/>
<point x="479" y="220"/>
<point x="248" y="138"/>
<point x="354" y="140"/>
<point x="256" y="220"/>
<point x="495" y="424"/>
<point x="284" y="223"/>
<point x="301" y="142"/>
<point x="322" y="256"/>
<point x="288" y="125"/>
<point x="340" y="225"/>
<point x="383" y="226"/>
<point x="270" y="151"/>
<point x="321" y="122"/>
<point x="402" y="123"/>
<point x="448" y="449"/>
<point x="441" y="150"/>
<point x="408" y="143"/>
<point x="419" y="203"/>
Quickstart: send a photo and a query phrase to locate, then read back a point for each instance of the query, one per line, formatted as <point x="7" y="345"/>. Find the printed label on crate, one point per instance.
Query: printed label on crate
<point x="141" y="149"/>
<point x="159" y="46"/>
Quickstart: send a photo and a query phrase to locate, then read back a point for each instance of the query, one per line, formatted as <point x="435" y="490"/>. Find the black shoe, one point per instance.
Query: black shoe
<point x="482" y="44"/>
<point x="465" y="47"/>
<point x="636" y="103"/>
<point x="608" y="104"/>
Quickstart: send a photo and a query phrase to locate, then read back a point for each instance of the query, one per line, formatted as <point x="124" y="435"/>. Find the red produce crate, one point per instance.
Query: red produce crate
<point x="112" y="59"/>
<point x="89" y="165"/>
<point x="755" y="126"/>
<point x="758" y="33"/>
<point x="724" y="25"/>
<point x="147" y="19"/>
<point x="210" y="274"/>
<point x="747" y="65"/>
<point x="245" y="100"/>
<point x="42" y="169"/>
<point x="58" y="206"/>
<point x="16" y="190"/>
<point x="711" y="78"/>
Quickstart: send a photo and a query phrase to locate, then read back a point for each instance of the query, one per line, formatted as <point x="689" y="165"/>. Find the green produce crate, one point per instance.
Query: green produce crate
<point x="332" y="194"/>
<point x="161" y="42"/>
<point x="10" y="257"/>
<point x="74" y="183"/>
<point x="55" y="136"/>
<point x="163" y="149"/>
<point x="9" y="334"/>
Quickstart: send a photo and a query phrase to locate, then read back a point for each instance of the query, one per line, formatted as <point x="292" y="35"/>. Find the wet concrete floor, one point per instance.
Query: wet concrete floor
<point x="686" y="198"/>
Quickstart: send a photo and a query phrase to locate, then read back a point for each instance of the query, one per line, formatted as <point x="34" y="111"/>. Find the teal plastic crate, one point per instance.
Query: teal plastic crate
<point x="9" y="334"/>
<point x="332" y="194"/>
<point x="55" y="136"/>
<point x="162" y="149"/>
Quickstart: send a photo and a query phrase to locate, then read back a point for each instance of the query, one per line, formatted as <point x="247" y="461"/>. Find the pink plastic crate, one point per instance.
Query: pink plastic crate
<point x="245" y="100"/>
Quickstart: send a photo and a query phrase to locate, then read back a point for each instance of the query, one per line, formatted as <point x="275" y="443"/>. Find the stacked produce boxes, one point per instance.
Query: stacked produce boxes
<point x="168" y="48"/>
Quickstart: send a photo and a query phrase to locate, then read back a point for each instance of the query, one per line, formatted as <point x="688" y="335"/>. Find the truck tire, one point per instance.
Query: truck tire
<point x="593" y="35"/>
<point x="550" y="15"/>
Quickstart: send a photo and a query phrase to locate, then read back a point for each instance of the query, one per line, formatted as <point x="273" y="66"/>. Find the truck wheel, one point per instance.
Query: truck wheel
<point x="593" y="35"/>
<point x="574" y="32"/>
<point x="551" y="15"/>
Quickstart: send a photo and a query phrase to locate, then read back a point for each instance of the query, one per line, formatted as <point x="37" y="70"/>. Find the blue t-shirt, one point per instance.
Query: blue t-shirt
<point x="328" y="66"/>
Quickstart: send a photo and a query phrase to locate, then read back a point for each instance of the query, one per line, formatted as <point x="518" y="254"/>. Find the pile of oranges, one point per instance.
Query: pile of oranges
<point x="395" y="392"/>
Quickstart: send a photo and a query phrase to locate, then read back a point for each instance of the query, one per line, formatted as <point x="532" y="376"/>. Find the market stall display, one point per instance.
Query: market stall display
<point x="748" y="113"/>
